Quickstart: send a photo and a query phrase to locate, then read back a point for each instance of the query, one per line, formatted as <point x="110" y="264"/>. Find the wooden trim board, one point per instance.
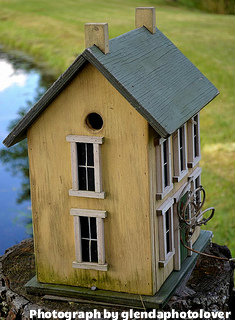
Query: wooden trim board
<point x="90" y="266"/>
<point x="88" y="213"/>
<point x="84" y="139"/>
<point x="125" y="299"/>
<point x="87" y="194"/>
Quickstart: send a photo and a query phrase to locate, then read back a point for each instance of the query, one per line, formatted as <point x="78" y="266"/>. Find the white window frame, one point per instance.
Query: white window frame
<point x="178" y="173"/>
<point x="192" y="160"/>
<point x="165" y="257"/>
<point x="100" y="216"/>
<point x="96" y="141"/>
<point x="162" y="191"/>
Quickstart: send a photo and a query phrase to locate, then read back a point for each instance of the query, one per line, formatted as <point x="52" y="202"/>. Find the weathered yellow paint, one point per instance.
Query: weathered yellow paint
<point x="125" y="181"/>
<point x="129" y="180"/>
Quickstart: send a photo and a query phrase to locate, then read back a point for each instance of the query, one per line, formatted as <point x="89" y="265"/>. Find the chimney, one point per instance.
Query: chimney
<point x="145" y="16"/>
<point x="97" y="34"/>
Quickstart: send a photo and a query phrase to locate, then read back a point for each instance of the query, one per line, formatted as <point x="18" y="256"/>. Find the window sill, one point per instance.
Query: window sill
<point x="161" y="195"/>
<point x="162" y="264"/>
<point x="87" y="194"/>
<point x="181" y="176"/>
<point x="90" y="266"/>
<point x="196" y="173"/>
<point x="195" y="161"/>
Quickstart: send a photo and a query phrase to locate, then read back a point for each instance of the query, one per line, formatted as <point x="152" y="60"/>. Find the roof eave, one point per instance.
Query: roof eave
<point x="20" y="130"/>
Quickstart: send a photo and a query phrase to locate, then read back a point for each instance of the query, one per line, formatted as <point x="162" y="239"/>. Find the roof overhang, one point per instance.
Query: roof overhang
<point x="149" y="71"/>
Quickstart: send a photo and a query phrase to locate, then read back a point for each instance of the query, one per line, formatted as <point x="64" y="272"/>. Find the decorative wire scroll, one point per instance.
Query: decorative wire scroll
<point x="192" y="205"/>
<point x="195" y="218"/>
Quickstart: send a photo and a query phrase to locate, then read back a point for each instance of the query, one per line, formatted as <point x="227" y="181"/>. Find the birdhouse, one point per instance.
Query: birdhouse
<point x="114" y="150"/>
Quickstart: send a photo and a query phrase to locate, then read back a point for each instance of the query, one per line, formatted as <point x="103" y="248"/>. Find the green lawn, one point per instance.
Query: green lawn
<point x="53" y="33"/>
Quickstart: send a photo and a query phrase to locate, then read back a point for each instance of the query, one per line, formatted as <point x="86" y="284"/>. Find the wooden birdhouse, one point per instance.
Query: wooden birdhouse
<point x="114" y="150"/>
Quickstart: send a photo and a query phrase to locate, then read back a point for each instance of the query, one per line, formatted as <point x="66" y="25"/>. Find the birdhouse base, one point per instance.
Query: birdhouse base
<point x="125" y="299"/>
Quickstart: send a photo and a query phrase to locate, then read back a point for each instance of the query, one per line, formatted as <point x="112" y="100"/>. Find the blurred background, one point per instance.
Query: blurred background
<point x="38" y="41"/>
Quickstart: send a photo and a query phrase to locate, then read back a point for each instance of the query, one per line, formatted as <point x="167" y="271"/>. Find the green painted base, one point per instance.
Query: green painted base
<point x="125" y="299"/>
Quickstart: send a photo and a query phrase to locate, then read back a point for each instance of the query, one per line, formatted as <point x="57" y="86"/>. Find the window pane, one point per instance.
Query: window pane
<point x="168" y="248"/>
<point x="197" y="184"/>
<point x="165" y="151"/>
<point x="93" y="228"/>
<point x="84" y="227"/>
<point x="195" y="146"/>
<point x="167" y="215"/>
<point x="181" y="148"/>
<point x="165" y="162"/>
<point x="85" y="250"/>
<point x="166" y="175"/>
<point x="195" y="128"/>
<point x="167" y="221"/>
<point x="181" y="159"/>
<point x="90" y="155"/>
<point x="81" y="153"/>
<point x="91" y="179"/>
<point x="183" y="201"/>
<point x="94" y="254"/>
<point x="82" y="178"/>
<point x="195" y="133"/>
<point x="181" y="136"/>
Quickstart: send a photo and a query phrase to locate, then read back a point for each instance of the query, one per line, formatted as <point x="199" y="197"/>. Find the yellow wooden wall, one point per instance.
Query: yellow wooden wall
<point x="125" y="181"/>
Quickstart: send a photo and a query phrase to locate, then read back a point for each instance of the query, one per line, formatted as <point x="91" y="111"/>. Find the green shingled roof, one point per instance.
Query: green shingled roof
<point x="166" y="88"/>
<point x="149" y="71"/>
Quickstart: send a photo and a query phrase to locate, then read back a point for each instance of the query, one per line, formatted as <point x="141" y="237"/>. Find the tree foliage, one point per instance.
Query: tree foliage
<point x="212" y="6"/>
<point x="16" y="160"/>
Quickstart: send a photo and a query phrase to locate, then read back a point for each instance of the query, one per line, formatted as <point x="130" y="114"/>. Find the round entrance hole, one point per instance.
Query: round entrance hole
<point x="94" y="121"/>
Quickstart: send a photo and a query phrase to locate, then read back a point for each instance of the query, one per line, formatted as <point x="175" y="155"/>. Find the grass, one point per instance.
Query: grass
<point x="53" y="33"/>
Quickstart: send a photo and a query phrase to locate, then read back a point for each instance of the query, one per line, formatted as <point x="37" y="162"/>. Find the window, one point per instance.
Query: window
<point x="194" y="153"/>
<point x="89" y="239"/>
<point x="86" y="166"/>
<point x="195" y="184"/>
<point x="163" y="162"/>
<point x="165" y="232"/>
<point x="179" y="154"/>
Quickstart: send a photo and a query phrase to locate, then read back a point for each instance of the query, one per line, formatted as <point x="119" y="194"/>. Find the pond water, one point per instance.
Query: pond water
<point x="21" y="83"/>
